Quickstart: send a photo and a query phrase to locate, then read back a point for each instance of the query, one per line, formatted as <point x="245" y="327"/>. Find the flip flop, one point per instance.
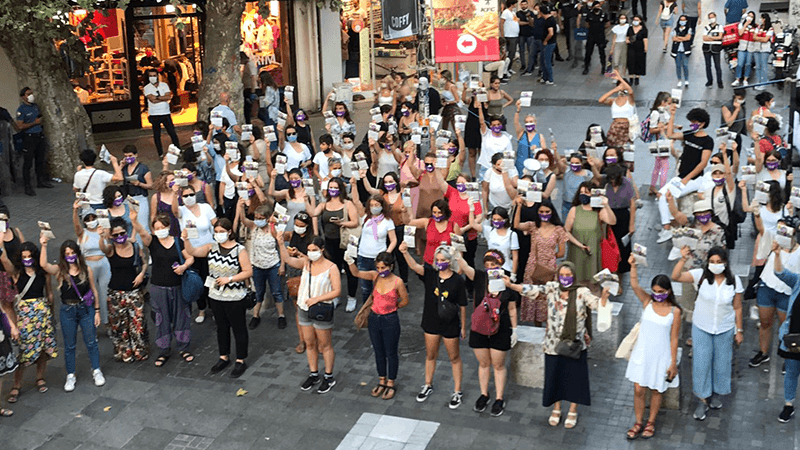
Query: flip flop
<point x="378" y="390"/>
<point x="13" y="395"/>
<point x="6" y="412"/>
<point x="388" y="394"/>
<point x="42" y="385"/>
<point x="161" y="360"/>
<point x="188" y="357"/>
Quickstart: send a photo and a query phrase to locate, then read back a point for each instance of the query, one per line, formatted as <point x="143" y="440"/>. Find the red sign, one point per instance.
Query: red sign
<point x="465" y="30"/>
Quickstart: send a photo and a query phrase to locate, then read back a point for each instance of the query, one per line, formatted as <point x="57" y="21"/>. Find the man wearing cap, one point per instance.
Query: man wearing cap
<point x="597" y="22"/>
<point x="29" y="121"/>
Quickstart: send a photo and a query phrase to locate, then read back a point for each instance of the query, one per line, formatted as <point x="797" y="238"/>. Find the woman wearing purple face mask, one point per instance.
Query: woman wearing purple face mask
<point x="430" y="191"/>
<point x="568" y="304"/>
<point x="462" y="206"/>
<point x="114" y="201"/>
<point x="162" y="200"/>
<point x="79" y="307"/>
<point x="138" y="179"/>
<point x="623" y="108"/>
<point x="437" y="229"/>
<point x="388" y="295"/>
<point x="343" y="122"/>
<point x="500" y="236"/>
<point x="408" y="117"/>
<point x="387" y="154"/>
<point x="529" y="140"/>
<point x="297" y="199"/>
<point x="456" y="155"/>
<point x="723" y="186"/>
<point x="769" y="168"/>
<point x="390" y="191"/>
<point x="377" y="227"/>
<point x="442" y="284"/>
<point x="30" y="320"/>
<point x="653" y="361"/>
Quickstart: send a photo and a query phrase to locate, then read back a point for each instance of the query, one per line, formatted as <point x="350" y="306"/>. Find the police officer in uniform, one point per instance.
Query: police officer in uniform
<point x="567" y="14"/>
<point x="29" y="121"/>
<point x="596" y="22"/>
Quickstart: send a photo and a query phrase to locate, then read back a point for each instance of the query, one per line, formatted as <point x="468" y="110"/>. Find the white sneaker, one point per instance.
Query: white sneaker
<point x="351" y="304"/>
<point x="735" y="83"/>
<point x="680" y="83"/>
<point x="99" y="379"/>
<point x="69" y="386"/>
<point x="639" y="203"/>
<point x="686" y="83"/>
<point x="664" y="236"/>
<point x="674" y="254"/>
<point x="336" y="302"/>
<point x="745" y="83"/>
<point x="199" y="319"/>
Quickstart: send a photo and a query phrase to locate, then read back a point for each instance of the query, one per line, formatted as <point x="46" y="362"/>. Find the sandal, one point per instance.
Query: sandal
<point x="649" y="430"/>
<point x="572" y="420"/>
<point x="188" y="357"/>
<point x="13" y="395"/>
<point x="378" y="390"/>
<point x="635" y="431"/>
<point x="555" y="418"/>
<point x="42" y="385"/>
<point x="161" y="360"/>
<point x="388" y="394"/>
<point x="301" y="347"/>
<point x="6" y="412"/>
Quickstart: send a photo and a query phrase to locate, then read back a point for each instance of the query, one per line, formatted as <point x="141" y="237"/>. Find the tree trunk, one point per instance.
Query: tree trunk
<point x="66" y="124"/>
<point x="221" y="59"/>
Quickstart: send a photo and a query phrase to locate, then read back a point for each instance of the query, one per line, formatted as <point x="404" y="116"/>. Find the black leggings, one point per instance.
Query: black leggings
<point x="201" y="265"/>
<point x="469" y="257"/>
<point x="230" y="315"/>
<point x="402" y="265"/>
<point x="337" y="257"/>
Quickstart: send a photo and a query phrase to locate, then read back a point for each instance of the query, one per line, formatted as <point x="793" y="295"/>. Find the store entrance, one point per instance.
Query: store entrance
<point x="172" y="45"/>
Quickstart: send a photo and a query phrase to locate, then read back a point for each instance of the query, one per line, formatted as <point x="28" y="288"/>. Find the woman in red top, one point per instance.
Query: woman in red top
<point x="388" y="295"/>
<point x="460" y="202"/>
<point x="437" y="228"/>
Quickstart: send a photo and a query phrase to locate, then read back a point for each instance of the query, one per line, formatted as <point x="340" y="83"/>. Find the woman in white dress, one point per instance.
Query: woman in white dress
<point x="653" y="363"/>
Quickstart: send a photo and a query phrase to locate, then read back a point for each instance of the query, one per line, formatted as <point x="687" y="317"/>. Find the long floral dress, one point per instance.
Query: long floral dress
<point x="543" y="252"/>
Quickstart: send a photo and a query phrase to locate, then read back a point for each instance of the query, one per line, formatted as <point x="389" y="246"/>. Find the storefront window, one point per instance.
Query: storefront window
<point x="265" y="40"/>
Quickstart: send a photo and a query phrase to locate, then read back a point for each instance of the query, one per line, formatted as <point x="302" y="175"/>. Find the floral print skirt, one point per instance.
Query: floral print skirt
<point x="128" y="325"/>
<point x="37" y="335"/>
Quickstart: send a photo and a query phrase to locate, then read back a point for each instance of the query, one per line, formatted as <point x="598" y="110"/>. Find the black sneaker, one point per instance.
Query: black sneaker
<point x="310" y="381"/>
<point x="498" y="408"/>
<point x="221" y="364"/>
<point x="424" y="393"/>
<point x="238" y="369"/>
<point x="281" y="322"/>
<point x="254" y="322"/>
<point x="480" y="404"/>
<point x="758" y="360"/>
<point x="786" y="414"/>
<point x="455" y="400"/>
<point x="327" y="383"/>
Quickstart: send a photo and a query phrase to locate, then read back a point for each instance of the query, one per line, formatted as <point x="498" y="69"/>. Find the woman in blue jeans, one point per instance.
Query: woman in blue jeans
<point x="388" y="295"/>
<point x="78" y="306"/>
<point x="789" y="326"/>
<point x="266" y="260"/>
<point x="682" y="48"/>
<point x="716" y="325"/>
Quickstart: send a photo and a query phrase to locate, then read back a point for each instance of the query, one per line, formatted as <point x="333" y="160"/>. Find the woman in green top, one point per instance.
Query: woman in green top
<point x="456" y="155"/>
<point x="583" y="223"/>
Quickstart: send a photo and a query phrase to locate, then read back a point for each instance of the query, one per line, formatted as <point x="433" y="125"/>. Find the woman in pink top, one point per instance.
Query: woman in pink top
<point x="388" y="295"/>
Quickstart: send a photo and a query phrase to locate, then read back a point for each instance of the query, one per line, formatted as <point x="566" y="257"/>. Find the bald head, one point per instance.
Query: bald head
<point x="224" y="98"/>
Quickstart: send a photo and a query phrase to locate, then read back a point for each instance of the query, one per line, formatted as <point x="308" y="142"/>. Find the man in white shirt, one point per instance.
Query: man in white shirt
<point x="93" y="181"/>
<point x="227" y="113"/>
<point x="158" y="96"/>
<point x="509" y="27"/>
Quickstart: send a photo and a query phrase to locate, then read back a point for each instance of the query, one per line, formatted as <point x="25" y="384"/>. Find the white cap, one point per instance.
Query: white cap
<point x="530" y="166"/>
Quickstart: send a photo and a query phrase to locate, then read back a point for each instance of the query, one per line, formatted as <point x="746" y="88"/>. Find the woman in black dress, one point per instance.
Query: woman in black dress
<point x="472" y="131"/>
<point x="637" y="49"/>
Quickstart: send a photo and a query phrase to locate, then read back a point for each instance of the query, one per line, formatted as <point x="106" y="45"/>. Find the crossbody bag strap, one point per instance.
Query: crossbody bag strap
<point x="180" y="253"/>
<point x="27" y="286"/>
<point x="75" y="286"/>
<point x="89" y="181"/>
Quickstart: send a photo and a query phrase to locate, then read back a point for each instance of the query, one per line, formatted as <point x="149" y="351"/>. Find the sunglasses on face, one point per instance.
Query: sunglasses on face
<point x="115" y="235"/>
<point x="187" y="195"/>
<point x="291" y="134"/>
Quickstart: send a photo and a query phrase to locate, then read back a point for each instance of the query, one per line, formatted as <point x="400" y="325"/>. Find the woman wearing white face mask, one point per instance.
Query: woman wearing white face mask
<point x="320" y="283"/>
<point x="200" y="219"/>
<point x="173" y="315"/>
<point x="619" y="49"/>
<point x="377" y="226"/>
<point x="229" y="266"/>
<point x="716" y="324"/>
<point x="89" y="239"/>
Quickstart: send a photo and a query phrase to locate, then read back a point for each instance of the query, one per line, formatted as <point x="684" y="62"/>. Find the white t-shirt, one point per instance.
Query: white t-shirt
<point x="230" y="186"/>
<point x="99" y="182"/>
<point x="620" y="32"/>
<point x="713" y="309"/>
<point x="491" y="145"/>
<point x="160" y="108"/>
<point x="789" y="262"/>
<point x="294" y="159"/>
<point x="497" y="188"/>
<point x="227" y="113"/>
<point x="249" y="70"/>
<point x="510" y="26"/>
<point x="203" y="223"/>
<point x="321" y="160"/>
<point x="503" y="243"/>
<point x="369" y="247"/>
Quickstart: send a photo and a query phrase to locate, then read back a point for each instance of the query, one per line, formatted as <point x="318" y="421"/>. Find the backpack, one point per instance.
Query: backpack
<point x="645" y="130"/>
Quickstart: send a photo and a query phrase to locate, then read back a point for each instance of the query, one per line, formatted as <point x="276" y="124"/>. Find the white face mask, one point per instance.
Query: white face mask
<point x="162" y="233"/>
<point x="31" y="98"/>
<point x="347" y="146"/>
<point x="712" y="20"/>
<point x="544" y="164"/>
<point x="336" y="172"/>
<point x="375" y="210"/>
<point x="153" y="80"/>
<point x="190" y="201"/>
<point x="300" y="230"/>
<point x="716" y="269"/>
<point x="92" y="224"/>
<point x="314" y="255"/>
<point x="221" y="238"/>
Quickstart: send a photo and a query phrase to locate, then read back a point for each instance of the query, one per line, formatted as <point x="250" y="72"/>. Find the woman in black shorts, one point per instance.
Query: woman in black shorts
<point x="442" y="285"/>
<point x="490" y="350"/>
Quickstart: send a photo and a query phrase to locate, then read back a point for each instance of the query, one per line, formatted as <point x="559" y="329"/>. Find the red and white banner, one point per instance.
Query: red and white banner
<point x="465" y="30"/>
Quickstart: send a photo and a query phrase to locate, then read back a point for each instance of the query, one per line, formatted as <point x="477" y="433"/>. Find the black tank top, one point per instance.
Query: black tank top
<point x="123" y="272"/>
<point x="37" y="287"/>
<point x="11" y="248"/>
<point x="68" y="294"/>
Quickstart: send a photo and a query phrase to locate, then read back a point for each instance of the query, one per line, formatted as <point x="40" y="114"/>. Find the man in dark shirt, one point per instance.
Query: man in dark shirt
<point x="29" y="121"/>
<point x="597" y="22"/>
<point x="525" y="17"/>
<point x="549" y="42"/>
<point x="539" y="32"/>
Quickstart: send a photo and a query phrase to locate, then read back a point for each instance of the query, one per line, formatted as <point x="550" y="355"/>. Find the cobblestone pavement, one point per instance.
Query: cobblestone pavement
<point x="181" y="406"/>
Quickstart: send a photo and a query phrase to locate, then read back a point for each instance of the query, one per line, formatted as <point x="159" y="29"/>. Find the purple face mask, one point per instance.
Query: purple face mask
<point x="439" y="265"/>
<point x="296" y="183"/>
<point x="429" y="167"/>
<point x="118" y="201"/>
<point x="333" y="192"/>
<point x="27" y="262"/>
<point x="406" y="112"/>
<point x="339" y="113"/>
<point x="719" y="181"/>
<point x="461" y="187"/>
<point x="659" y="297"/>
<point x="566" y="281"/>
<point x="71" y="258"/>
<point x="130" y="159"/>
<point x="121" y="239"/>
<point x="611" y="160"/>
<point x="575" y="167"/>
<point x="301" y="117"/>
<point x="251" y="193"/>
<point x="545" y="217"/>
<point x="703" y="218"/>
<point x="190" y="176"/>
<point x="497" y="129"/>
<point x="498" y="223"/>
<point x="451" y="150"/>
<point x="170" y="184"/>
<point x="390" y="186"/>
<point x="772" y="165"/>
<point x="694" y="126"/>
<point x="437" y="218"/>
<point x="384" y="273"/>
<point x="530" y="126"/>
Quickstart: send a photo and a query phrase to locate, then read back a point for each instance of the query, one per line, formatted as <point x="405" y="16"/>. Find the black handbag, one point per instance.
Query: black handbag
<point x="447" y="310"/>
<point x="570" y="349"/>
<point x="322" y="311"/>
<point x="792" y="342"/>
<point x="249" y="299"/>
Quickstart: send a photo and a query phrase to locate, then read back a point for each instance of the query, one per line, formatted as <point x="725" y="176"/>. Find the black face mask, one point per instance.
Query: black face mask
<point x="584" y="199"/>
